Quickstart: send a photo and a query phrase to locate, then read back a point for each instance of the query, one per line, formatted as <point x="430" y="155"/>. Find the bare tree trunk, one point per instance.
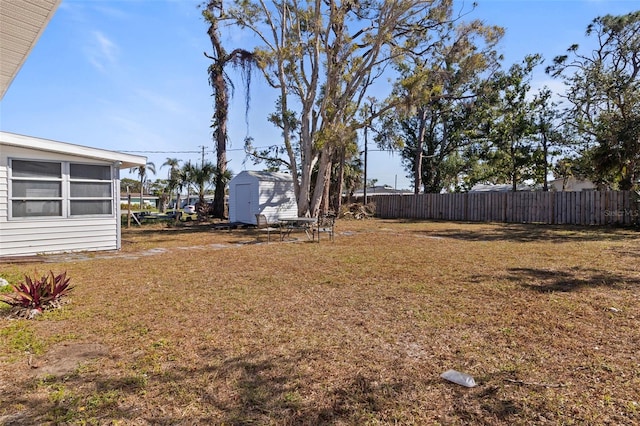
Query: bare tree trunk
<point x="323" y="178"/>
<point x="417" y="175"/>
<point x="338" y="194"/>
<point x="222" y="108"/>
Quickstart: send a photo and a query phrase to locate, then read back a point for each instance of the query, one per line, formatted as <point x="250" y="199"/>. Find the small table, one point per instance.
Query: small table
<point x="288" y="224"/>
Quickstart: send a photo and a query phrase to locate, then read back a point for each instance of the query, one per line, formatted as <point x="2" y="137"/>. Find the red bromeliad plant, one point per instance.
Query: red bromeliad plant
<point x="38" y="293"/>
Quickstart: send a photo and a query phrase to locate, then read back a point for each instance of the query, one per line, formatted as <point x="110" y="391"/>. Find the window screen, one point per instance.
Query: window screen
<point x="36" y="169"/>
<point x="89" y="171"/>
<point x="36" y="208"/>
<point x="44" y="188"/>
<point x="89" y="189"/>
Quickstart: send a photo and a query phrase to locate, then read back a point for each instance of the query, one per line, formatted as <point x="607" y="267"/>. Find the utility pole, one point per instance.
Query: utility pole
<point x="365" y="165"/>
<point x="365" y="151"/>
<point x="203" y="147"/>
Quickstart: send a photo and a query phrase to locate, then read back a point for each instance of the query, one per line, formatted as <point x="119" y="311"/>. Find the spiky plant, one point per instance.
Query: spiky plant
<point x="40" y="293"/>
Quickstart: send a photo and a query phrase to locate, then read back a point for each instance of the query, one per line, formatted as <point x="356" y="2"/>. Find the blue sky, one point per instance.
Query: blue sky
<point x="130" y="75"/>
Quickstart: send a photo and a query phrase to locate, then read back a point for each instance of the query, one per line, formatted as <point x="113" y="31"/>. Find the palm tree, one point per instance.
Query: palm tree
<point x="173" y="177"/>
<point x="220" y="82"/>
<point x="201" y="177"/>
<point x="142" y="174"/>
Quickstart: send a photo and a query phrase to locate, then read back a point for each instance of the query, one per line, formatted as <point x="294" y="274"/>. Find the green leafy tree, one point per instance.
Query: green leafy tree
<point x="603" y="88"/>
<point x="548" y="128"/>
<point x="435" y="97"/>
<point x="160" y="188"/>
<point x="129" y="185"/>
<point x="509" y="128"/>
<point x="323" y="57"/>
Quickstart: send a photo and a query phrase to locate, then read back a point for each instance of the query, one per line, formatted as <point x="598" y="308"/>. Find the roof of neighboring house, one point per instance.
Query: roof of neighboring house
<point x="507" y="187"/>
<point x="21" y="24"/>
<point x="29" y="142"/>
<point x="381" y="190"/>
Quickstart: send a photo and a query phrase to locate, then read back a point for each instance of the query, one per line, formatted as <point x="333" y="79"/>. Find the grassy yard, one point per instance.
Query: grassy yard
<point x="191" y="326"/>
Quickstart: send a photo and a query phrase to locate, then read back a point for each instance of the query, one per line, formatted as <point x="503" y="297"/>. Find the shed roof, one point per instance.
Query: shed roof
<point x="29" y="142"/>
<point x="21" y="24"/>
<point x="269" y="176"/>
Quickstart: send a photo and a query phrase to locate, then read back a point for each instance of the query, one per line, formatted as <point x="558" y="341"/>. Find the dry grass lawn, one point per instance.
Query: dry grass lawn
<point x="189" y="326"/>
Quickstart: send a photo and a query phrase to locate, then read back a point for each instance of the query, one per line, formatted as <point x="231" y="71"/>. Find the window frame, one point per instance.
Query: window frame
<point x="65" y="198"/>
<point x="73" y="180"/>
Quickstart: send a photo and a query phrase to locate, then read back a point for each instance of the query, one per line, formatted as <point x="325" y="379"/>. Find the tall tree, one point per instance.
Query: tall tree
<point x="435" y="96"/>
<point x="323" y="57"/>
<point x="173" y="177"/>
<point x="201" y="176"/>
<point x="143" y="171"/>
<point x="510" y="126"/>
<point x="214" y="13"/>
<point x="604" y="93"/>
<point x="547" y="125"/>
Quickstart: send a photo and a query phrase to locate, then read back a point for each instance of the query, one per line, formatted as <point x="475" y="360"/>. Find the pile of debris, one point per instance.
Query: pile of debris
<point x="358" y="211"/>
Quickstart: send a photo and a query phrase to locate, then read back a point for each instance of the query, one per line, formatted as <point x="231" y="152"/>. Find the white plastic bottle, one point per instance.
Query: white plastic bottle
<point x="459" y="378"/>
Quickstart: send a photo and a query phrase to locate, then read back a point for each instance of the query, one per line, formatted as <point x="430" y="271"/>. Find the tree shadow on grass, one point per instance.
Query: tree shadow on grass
<point x="548" y="281"/>
<point x="249" y="389"/>
<point x="274" y="390"/>
<point x="530" y="233"/>
<point x="255" y="388"/>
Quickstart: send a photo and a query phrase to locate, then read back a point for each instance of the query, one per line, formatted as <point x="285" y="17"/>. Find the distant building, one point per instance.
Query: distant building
<point x="503" y="187"/>
<point x="381" y="190"/>
<point x="572" y="184"/>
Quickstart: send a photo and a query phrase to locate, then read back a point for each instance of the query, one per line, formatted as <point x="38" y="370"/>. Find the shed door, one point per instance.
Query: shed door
<point x="244" y="214"/>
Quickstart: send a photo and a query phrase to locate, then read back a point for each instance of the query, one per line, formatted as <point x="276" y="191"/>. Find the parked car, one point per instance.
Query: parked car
<point x="188" y="214"/>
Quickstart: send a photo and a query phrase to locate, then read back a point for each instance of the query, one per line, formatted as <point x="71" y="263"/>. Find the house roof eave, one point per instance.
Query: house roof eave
<point x="21" y="25"/>
<point x="125" y="161"/>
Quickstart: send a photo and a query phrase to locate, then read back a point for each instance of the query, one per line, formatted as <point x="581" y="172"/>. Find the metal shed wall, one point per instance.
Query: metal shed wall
<point x="271" y="194"/>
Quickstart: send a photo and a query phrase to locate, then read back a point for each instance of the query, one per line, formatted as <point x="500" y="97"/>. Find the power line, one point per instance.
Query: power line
<point x="163" y="152"/>
<point x="233" y="149"/>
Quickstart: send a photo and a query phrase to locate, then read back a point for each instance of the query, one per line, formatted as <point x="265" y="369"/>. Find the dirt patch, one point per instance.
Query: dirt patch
<point x="65" y="358"/>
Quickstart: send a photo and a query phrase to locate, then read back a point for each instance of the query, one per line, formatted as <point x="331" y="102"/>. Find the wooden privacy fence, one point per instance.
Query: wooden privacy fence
<point x="573" y="208"/>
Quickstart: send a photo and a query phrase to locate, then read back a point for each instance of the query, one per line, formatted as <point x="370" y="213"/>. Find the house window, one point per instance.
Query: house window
<point x="90" y="189"/>
<point x="36" y="189"/>
<point x="42" y="188"/>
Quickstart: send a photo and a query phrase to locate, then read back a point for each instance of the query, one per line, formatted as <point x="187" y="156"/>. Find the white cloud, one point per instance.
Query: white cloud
<point x="161" y="102"/>
<point x="103" y="52"/>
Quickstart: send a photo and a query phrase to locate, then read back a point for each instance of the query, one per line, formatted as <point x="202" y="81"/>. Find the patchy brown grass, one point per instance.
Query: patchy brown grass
<point x="214" y="329"/>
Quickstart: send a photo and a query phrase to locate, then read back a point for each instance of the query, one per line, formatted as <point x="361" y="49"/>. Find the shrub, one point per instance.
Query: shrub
<point x="38" y="294"/>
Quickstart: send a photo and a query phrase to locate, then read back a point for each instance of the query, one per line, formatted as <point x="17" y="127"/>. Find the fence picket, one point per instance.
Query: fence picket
<point x="574" y="208"/>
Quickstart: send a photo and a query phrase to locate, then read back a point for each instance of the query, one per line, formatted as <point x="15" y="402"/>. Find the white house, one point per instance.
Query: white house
<point x="59" y="197"/>
<point x="268" y="193"/>
<point x="54" y="196"/>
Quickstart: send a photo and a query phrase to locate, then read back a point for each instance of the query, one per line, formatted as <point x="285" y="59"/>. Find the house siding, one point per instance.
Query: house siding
<point x="36" y="237"/>
<point x="42" y="235"/>
<point x="4" y="192"/>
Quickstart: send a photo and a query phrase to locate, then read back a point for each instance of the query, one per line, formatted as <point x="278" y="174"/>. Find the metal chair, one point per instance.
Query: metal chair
<point x="326" y="223"/>
<point x="263" y="225"/>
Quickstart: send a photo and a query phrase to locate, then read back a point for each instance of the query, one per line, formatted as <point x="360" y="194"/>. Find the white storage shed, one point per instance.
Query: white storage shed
<point x="58" y="197"/>
<point x="268" y="193"/>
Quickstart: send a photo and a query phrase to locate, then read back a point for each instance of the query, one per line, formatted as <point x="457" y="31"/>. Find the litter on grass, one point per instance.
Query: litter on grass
<point x="459" y="378"/>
